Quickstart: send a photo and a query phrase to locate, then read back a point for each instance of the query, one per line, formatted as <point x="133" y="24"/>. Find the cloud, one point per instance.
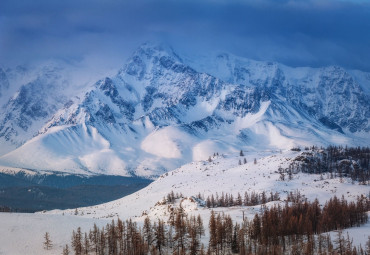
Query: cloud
<point x="315" y="33"/>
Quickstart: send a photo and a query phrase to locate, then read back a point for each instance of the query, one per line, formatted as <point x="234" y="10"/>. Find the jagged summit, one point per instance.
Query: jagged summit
<point x="160" y="111"/>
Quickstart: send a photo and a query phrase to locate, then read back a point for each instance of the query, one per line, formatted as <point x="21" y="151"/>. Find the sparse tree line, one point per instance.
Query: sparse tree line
<point x="241" y="154"/>
<point x="248" y="199"/>
<point x="226" y="199"/>
<point x="181" y="235"/>
<point x="10" y="209"/>
<point x="5" y="209"/>
<point x="278" y="224"/>
<point x="295" y="228"/>
<point x="171" y="197"/>
<point x="334" y="161"/>
<point x="291" y="229"/>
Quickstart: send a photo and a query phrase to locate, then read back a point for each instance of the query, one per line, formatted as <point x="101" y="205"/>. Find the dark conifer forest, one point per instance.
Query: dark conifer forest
<point x="331" y="162"/>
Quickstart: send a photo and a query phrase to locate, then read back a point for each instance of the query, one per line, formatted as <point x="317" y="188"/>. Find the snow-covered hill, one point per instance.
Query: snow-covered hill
<point x="161" y="111"/>
<point x="223" y="174"/>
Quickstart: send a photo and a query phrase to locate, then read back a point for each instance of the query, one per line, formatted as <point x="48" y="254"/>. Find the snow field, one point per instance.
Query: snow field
<point x="222" y="174"/>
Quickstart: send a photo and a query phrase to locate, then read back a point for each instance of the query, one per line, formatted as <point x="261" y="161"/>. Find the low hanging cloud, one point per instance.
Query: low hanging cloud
<point x="297" y="33"/>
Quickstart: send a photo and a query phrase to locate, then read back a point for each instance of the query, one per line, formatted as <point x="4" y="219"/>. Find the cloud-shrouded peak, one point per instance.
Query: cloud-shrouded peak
<point x="154" y="48"/>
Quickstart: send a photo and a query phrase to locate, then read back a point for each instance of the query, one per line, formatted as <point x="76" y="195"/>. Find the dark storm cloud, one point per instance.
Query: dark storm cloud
<point x="292" y="32"/>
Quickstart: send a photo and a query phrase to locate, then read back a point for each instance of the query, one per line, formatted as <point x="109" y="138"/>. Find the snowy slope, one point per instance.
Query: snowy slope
<point x="224" y="174"/>
<point x="31" y="96"/>
<point x="161" y="111"/>
<point x="25" y="232"/>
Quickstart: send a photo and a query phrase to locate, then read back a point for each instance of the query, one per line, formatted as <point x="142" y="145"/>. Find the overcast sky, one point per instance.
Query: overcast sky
<point x="105" y="32"/>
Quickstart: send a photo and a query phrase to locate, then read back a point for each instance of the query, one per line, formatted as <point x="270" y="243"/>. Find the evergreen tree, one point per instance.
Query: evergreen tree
<point x="47" y="242"/>
<point x="212" y="232"/>
<point x="202" y="252"/>
<point x="102" y="243"/>
<point x="94" y="238"/>
<point x="194" y="241"/>
<point x="86" y="245"/>
<point x="77" y="241"/>
<point x="180" y="231"/>
<point x="66" y="250"/>
<point x="147" y="231"/>
<point x="340" y="243"/>
<point x="200" y="226"/>
<point x="160" y="235"/>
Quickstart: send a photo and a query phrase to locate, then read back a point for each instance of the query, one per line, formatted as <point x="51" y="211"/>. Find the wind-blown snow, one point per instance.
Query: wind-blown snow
<point x="167" y="142"/>
<point x="70" y="149"/>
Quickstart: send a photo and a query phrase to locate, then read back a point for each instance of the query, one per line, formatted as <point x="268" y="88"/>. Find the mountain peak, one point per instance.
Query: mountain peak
<point x="159" y="112"/>
<point x="151" y="49"/>
<point x="148" y="56"/>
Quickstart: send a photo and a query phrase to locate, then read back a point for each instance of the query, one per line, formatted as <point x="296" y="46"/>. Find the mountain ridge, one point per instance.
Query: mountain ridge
<point x="159" y="112"/>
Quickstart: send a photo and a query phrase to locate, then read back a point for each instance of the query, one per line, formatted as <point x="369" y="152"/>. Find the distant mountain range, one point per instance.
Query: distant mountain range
<point x="162" y="110"/>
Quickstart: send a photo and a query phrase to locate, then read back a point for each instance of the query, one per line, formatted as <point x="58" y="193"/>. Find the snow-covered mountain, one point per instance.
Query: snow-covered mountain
<point x="26" y="111"/>
<point x="161" y="111"/>
<point x="30" y="95"/>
